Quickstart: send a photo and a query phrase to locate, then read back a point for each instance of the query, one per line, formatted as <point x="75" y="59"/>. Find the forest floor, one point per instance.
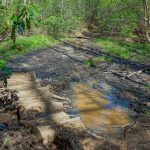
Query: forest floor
<point x="13" y="136"/>
<point x="125" y="83"/>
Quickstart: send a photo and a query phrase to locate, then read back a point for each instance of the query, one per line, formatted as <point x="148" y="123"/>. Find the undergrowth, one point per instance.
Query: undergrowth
<point x="24" y="45"/>
<point x="135" y="51"/>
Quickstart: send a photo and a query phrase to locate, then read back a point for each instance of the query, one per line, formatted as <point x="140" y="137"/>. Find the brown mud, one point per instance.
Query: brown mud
<point x="112" y="99"/>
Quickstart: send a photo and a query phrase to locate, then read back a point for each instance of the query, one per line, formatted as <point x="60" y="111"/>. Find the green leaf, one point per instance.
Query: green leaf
<point x="2" y="63"/>
<point x="90" y="63"/>
<point x="21" y="27"/>
<point x="7" y="71"/>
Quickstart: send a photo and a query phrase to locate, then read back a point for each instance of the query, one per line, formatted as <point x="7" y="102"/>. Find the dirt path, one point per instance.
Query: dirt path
<point x="56" y="68"/>
<point x="62" y="66"/>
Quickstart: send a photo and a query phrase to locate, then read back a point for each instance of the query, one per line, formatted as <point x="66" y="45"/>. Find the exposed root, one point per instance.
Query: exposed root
<point x="129" y="127"/>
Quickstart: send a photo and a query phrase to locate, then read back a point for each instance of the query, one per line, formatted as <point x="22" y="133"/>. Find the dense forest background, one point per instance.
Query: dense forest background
<point x="125" y="18"/>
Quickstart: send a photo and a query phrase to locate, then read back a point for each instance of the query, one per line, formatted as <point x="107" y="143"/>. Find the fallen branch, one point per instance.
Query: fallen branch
<point x="60" y="97"/>
<point x="94" y="135"/>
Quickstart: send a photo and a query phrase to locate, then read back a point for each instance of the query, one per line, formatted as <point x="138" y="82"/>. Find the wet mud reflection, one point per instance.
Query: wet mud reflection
<point x="100" y="110"/>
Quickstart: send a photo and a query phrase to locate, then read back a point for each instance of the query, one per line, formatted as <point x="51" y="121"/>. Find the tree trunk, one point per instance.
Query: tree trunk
<point x="146" y="19"/>
<point x="62" y="6"/>
<point x="25" y="2"/>
<point x="4" y="3"/>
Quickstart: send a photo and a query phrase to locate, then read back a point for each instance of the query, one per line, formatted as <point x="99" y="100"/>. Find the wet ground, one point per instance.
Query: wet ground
<point x="112" y="98"/>
<point x="15" y="137"/>
<point x="99" y="110"/>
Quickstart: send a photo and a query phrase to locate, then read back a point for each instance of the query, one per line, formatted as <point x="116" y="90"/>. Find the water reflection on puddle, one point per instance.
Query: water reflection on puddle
<point x="100" y="110"/>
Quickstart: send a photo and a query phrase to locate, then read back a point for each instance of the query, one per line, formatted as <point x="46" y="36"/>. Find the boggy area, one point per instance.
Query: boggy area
<point x="100" y="110"/>
<point x="13" y="136"/>
<point x="112" y="98"/>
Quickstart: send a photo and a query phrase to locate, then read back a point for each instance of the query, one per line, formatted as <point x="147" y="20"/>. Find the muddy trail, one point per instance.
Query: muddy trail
<point x="112" y="98"/>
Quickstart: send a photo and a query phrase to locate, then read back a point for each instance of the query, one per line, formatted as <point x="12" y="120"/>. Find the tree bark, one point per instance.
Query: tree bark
<point x="4" y="3"/>
<point x="146" y="19"/>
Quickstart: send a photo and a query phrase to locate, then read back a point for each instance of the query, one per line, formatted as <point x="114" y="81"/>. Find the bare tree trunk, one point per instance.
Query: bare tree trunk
<point x="146" y="19"/>
<point x="62" y="6"/>
<point x="25" y="2"/>
<point x="4" y="3"/>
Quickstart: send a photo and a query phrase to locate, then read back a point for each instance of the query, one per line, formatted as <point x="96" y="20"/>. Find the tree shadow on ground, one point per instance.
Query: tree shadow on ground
<point x="67" y="136"/>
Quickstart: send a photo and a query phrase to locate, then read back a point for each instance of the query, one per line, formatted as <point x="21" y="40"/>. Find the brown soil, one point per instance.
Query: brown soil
<point x="60" y="71"/>
<point x="15" y="137"/>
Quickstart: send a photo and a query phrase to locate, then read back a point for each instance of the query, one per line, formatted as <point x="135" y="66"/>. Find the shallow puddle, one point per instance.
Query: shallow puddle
<point x="100" y="110"/>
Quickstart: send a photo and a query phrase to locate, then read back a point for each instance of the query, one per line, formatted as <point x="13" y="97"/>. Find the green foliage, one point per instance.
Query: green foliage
<point x="2" y="63"/>
<point x="104" y="59"/>
<point x="24" y="45"/>
<point x="147" y="113"/>
<point x="17" y="17"/>
<point x="90" y="62"/>
<point x="62" y="17"/>
<point x="5" y="73"/>
<point x="5" y="21"/>
<point x="101" y="59"/>
<point x="57" y="25"/>
<point x="127" y="50"/>
<point x="121" y="17"/>
<point x="109" y="59"/>
<point x="22" y="20"/>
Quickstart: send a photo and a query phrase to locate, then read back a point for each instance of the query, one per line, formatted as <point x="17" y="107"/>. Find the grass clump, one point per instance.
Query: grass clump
<point x="135" y="51"/>
<point x="24" y="45"/>
<point x="90" y="62"/>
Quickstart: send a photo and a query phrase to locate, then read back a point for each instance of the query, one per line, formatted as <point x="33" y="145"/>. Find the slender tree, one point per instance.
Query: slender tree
<point x="146" y="19"/>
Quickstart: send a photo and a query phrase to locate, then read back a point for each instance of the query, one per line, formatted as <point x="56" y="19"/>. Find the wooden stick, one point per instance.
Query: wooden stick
<point x="60" y="97"/>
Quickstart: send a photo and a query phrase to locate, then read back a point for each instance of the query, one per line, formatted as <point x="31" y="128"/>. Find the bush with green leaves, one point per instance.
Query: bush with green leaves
<point x="5" y="73"/>
<point x="16" y="17"/>
<point x="22" y="20"/>
<point x="90" y="62"/>
<point x="57" y="25"/>
<point x="122" y="17"/>
<point x="111" y="17"/>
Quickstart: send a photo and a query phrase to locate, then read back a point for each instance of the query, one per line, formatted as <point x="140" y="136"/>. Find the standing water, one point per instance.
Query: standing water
<point x="100" y="110"/>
